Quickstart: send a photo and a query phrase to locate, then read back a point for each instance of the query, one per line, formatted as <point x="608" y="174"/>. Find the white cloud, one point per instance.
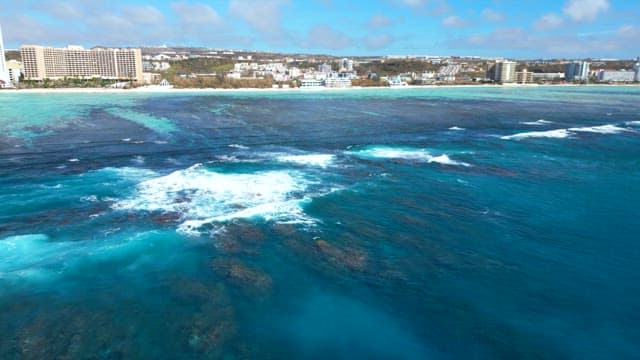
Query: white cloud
<point x="503" y="41"/>
<point x="453" y="21"/>
<point x="263" y="16"/>
<point x="194" y="14"/>
<point x="145" y="14"/>
<point x="378" y="21"/>
<point x="492" y="15"/>
<point x="585" y="10"/>
<point x="548" y="22"/>
<point x="628" y="31"/>
<point x="324" y="37"/>
<point x="376" y="42"/>
<point x="62" y="10"/>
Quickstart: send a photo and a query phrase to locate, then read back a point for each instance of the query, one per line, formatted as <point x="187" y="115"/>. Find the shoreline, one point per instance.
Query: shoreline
<point x="159" y="90"/>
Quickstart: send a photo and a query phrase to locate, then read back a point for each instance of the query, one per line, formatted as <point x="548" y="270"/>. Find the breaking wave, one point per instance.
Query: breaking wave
<point x="321" y="160"/>
<point x="203" y="197"/>
<point x="564" y="133"/>
<point x="603" y="129"/>
<point x="537" y="122"/>
<point x="555" y="134"/>
<point x="422" y="155"/>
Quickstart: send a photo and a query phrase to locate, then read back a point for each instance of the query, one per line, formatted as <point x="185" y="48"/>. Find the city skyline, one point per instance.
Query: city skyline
<point x="569" y="29"/>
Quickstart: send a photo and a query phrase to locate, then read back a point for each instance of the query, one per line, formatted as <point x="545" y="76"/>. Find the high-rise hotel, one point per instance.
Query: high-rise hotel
<point x="76" y="62"/>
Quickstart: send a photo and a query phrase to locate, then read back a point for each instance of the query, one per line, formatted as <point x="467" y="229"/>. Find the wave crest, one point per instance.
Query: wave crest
<point x="202" y="196"/>
<point x="412" y="154"/>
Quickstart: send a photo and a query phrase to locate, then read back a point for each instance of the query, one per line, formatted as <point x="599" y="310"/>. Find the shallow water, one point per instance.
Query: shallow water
<point x="417" y="223"/>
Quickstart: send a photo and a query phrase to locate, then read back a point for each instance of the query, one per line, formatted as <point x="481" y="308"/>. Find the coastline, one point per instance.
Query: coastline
<point x="142" y="90"/>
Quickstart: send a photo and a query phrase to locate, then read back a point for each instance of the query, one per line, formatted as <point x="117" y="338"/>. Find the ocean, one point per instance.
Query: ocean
<point x="432" y="223"/>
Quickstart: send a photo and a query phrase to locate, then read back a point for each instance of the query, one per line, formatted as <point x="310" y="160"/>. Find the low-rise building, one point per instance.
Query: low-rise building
<point x="542" y="77"/>
<point x="616" y="76"/>
<point x="311" y="83"/>
<point x="524" y="77"/>
<point x="14" y="71"/>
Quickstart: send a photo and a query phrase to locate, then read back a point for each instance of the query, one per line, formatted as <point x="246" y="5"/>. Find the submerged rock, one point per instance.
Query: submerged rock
<point x="248" y="279"/>
<point x="240" y="237"/>
<point x="165" y="218"/>
<point x="349" y="258"/>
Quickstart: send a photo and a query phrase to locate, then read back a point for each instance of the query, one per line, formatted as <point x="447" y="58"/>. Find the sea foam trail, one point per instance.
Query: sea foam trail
<point x="603" y="129"/>
<point x="537" y="122"/>
<point x="563" y="133"/>
<point x="554" y="134"/>
<point x="201" y="196"/>
<point x="321" y="160"/>
<point x="421" y="155"/>
<point x="445" y="160"/>
<point x="456" y="128"/>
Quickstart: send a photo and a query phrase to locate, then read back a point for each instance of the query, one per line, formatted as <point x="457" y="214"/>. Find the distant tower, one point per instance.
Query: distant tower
<point x="636" y="70"/>
<point x="577" y="70"/>
<point x="4" y="74"/>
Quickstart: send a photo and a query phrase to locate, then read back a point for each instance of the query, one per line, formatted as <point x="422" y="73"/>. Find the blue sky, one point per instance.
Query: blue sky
<point x="514" y="29"/>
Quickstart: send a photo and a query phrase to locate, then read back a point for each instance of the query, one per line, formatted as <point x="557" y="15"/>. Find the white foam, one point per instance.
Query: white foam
<point x="455" y="128"/>
<point x="321" y="160"/>
<point x="130" y="173"/>
<point x="138" y="159"/>
<point x="73" y="160"/>
<point x="555" y="134"/>
<point x="603" y="129"/>
<point x="632" y="123"/>
<point x="238" y="146"/>
<point x="445" y="160"/>
<point x="203" y="197"/>
<point x="537" y="122"/>
<point x="384" y="152"/>
<point x="422" y="155"/>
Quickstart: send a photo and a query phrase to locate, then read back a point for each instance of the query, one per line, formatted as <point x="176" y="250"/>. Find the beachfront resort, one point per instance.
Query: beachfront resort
<point x="37" y="66"/>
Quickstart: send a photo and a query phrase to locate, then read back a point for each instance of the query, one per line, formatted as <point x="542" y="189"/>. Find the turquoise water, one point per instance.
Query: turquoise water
<point x="437" y="223"/>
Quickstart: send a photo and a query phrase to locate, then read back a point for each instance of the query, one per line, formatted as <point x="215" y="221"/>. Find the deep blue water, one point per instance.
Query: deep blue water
<point x="452" y="223"/>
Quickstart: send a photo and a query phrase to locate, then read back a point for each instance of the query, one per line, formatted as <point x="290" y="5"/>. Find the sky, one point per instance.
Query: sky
<point x="523" y="29"/>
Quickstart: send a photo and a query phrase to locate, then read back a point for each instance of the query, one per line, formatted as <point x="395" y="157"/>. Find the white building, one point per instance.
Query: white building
<point x="524" y="77"/>
<point x="324" y="68"/>
<point x="14" y="70"/>
<point x="636" y="70"/>
<point x="346" y="65"/>
<point x="58" y="63"/>
<point x="5" y="81"/>
<point x="616" y="76"/>
<point x="548" y="76"/>
<point x="337" y="80"/>
<point x="311" y="83"/>
<point x="577" y="71"/>
<point x="505" y="71"/>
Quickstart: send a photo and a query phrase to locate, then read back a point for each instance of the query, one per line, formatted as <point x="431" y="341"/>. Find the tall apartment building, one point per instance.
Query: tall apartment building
<point x="636" y="70"/>
<point x="577" y="70"/>
<point x="74" y="61"/>
<point x="504" y="71"/>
